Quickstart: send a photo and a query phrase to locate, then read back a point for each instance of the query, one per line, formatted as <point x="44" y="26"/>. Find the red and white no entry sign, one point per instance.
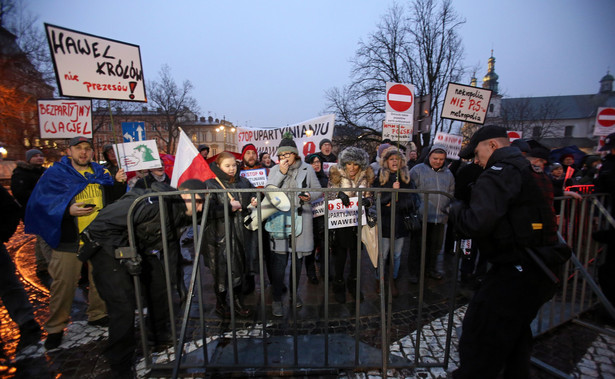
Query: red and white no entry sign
<point x="400" y="98"/>
<point x="606" y="117"/>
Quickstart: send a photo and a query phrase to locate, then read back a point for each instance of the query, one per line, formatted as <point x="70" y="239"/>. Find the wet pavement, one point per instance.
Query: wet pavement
<point x="575" y="350"/>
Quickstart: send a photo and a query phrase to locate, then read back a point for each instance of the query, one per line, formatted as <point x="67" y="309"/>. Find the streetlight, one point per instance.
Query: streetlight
<point x="223" y="129"/>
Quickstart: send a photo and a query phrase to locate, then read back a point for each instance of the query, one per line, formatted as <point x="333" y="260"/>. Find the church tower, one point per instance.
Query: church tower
<point x="490" y="81"/>
<point x="606" y="83"/>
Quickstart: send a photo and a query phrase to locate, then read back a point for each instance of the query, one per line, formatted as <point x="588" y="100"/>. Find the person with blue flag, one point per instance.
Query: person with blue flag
<point x="65" y="200"/>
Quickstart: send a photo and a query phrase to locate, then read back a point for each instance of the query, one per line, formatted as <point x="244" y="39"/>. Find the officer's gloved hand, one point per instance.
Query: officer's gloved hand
<point x="367" y="202"/>
<point x="344" y="198"/>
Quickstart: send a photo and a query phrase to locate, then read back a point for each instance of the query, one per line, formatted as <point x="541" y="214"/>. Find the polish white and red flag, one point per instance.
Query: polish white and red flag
<point x="189" y="164"/>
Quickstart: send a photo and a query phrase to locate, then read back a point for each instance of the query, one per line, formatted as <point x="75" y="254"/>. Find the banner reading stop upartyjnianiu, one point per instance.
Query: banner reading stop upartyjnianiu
<point x="307" y="135"/>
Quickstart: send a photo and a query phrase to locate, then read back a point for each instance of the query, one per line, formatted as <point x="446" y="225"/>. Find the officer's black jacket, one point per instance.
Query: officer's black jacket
<point x="507" y="210"/>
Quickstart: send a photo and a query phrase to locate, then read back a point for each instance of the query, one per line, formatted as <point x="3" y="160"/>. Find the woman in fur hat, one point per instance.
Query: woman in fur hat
<point x="351" y="171"/>
<point x="394" y="173"/>
<point x="292" y="173"/>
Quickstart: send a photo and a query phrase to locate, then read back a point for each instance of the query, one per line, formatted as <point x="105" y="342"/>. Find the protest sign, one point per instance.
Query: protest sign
<point x="141" y="155"/>
<point x="450" y="142"/>
<point x="399" y="103"/>
<point x="341" y="216"/>
<point x="307" y="135"/>
<point x="258" y="177"/>
<point x="318" y="207"/>
<point x="466" y="103"/>
<point x="326" y="166"/>
<point x="396" y="132"/>
<point x="95" y="67"/>
<point x="65" y="118"/>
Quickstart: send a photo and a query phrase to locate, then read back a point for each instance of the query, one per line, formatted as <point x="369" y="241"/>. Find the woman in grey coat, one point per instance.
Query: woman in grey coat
<point x="291" y="172"/>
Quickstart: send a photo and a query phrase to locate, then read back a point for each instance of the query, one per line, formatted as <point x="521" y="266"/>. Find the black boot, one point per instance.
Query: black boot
<point x="221" y="306"/>
<point x="352" y="288"/>
<point x="339" y="290"/>
<point x="240" y="309"/>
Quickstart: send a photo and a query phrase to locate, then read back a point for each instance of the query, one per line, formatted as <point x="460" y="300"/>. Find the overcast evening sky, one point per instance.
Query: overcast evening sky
<point x="269" y="63"/>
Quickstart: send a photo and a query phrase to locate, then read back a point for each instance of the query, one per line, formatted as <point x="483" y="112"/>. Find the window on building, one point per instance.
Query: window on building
<point x="536" y="131"/>
<point x="568" y="129"/>
<point x="491" y="108"/>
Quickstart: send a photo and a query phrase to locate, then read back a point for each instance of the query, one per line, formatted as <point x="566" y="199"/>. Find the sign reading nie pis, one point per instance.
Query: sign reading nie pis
<point x="65" y="118"/>
<point x="466" y="103"/>
<point x="95" y="67"/>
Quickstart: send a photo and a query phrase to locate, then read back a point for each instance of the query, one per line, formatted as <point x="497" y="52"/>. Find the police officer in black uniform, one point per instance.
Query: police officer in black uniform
<point x="507" y="214"/>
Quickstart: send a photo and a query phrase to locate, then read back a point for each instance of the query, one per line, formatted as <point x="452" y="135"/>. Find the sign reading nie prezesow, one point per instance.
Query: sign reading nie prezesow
<point x="95" y="67"/>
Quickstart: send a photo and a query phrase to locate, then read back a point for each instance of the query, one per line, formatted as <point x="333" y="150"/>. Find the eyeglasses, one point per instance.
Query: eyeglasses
<point x="285" y="155"/>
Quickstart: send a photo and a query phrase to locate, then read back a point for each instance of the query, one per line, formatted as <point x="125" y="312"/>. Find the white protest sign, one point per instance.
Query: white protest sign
<point x="450" y="142"/>
<point x="65" y="118"/>
<point x="318" y="207"/>
<point x="326" y="166"/>
<point x="397" y="132"/>
<point x="399" y="103"/>
<point x="341" y="216"/>
<point x="141" y="155"/>
<point x="258" y="177"/>
<point x="307" y="135"/>
<point x="466" y="103"/>
<point x="605" y="122"/>
<point x="95" y="67"/>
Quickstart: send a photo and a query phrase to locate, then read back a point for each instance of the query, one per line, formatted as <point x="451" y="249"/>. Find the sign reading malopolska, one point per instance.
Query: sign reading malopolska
<point x="466" y="103"/>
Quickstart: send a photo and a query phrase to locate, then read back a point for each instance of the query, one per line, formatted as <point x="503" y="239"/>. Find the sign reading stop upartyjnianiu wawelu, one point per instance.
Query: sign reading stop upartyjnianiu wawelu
<point x="95" y="67"/>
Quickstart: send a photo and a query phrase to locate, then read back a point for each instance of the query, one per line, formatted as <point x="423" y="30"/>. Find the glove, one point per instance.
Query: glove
<point x="344" y="198"/>
<point x="367" y="202"/>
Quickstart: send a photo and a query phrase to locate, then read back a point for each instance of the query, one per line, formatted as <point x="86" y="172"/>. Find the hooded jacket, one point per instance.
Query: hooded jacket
<point x="24" y="179"/>
<point x="426" y="178"/>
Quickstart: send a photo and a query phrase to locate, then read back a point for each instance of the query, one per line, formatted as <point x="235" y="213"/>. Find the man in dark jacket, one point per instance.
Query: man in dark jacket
<point x="65" y="200"/>
<point x="506" y="214"/>
<point x="24" y="179"/>
<point x="114" y="277"/>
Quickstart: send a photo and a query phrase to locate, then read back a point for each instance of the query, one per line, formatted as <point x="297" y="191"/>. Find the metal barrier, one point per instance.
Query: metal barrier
<point x="264" y="345"/>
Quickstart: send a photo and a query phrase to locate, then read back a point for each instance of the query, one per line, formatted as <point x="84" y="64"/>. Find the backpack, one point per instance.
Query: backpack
<point x="279" y="225"/>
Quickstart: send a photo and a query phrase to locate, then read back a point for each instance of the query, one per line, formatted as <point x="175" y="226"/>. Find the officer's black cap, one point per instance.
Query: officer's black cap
<point x="609" y="142"/>
<point x="482" y="134"/>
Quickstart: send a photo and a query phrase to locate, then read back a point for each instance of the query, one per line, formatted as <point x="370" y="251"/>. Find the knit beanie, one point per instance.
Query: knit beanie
<point x="322" y="142"/>
<point x="32" y="152"/>
<point x="247" y="148"/>
<point x="287" y="145"/>
<point x="310" y="158"/>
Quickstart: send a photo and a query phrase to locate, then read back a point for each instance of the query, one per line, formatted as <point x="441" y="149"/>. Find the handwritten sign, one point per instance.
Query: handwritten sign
<point x="326" y="166"/>
<point x="318" y="207"/>
<point x="397" y="132"/>
<point x="258" y="177"/>
<point x="95" y="67"/>
<point x="307" y="135"/>
<point x="65" y="118"/>
<point x="341" y="216"/>
<point x="141" y="155"/>
<point x="466" y="103"/>
<point x="450" y="142"/>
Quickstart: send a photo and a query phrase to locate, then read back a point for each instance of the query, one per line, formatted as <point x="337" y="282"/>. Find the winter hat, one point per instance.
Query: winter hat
<point x="556" y="165"/>
<point x="388" y="152"/>
<point x="310" y="158"/>
<point x="381" y="148"/>
<point x="32" y="152"/>
<point x="322" y="142"/>
<point x="261" y="155"/>
<point x="538" y="150"/>
<point x="287" y="145"/>
<point x="203" y="147"/>
<point x="353" y="155"/>
<point x="564" y="156"/>
<point x="247" y="147"/>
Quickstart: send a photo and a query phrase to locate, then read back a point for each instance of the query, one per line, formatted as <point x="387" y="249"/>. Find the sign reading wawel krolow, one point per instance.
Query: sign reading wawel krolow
<point x="65" y="118"/>
<point x="95" y="67"/>
<point x="466" y="103"/>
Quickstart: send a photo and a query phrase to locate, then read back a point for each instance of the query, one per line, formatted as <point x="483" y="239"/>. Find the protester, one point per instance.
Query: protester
<point x="64" y="202"/>
<point x="589" y="172"/>
<point x="266" y="160"/>
<point x="326" y="151"/>
<point x="506" y="213"/>
<point x="12" y="293"/>
<point x="318" y="225"/>
<point x="375" y="165"/>
<point x="412" y="159"/>
<point x="203" y="150"/>
<point x="215" y="239"/>
<point x="394" y="174"/>
<point x="155" y="175"/>
<point x="569" y="165"/>
<point x="291" y="173"/>
<point x="114" y="277"/>
<point x="352" y="171"/>
<point x="119" y="175"/>
<point x="432" y="175"/>
<point x="24" y="179"/>
<point x="249" y="158"/>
